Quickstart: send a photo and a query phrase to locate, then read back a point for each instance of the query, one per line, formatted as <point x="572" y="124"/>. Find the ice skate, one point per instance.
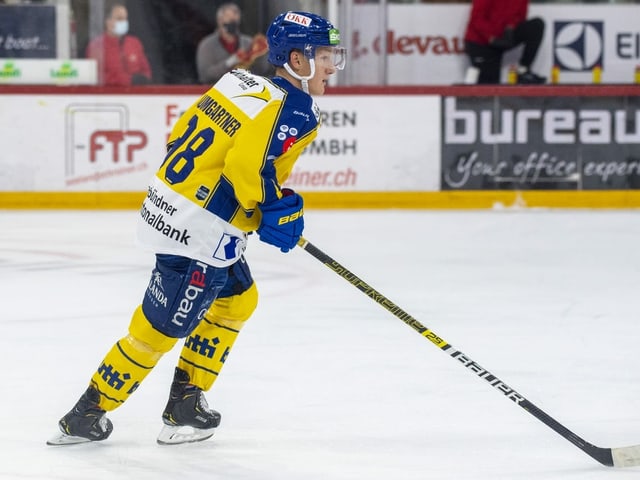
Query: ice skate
<point x="187" y="416"/>
<point x="86" y="422"/>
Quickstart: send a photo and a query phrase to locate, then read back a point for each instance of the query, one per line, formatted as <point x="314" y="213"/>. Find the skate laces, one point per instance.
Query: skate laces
<point x="201" y="402"/>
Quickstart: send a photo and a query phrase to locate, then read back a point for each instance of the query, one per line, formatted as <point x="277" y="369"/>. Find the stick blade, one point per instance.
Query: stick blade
<point x="626" y="456"/>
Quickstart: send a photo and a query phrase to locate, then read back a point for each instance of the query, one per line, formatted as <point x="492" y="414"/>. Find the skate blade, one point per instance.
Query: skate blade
<point x="64" y="439"/>
<point x="174" y="435"/>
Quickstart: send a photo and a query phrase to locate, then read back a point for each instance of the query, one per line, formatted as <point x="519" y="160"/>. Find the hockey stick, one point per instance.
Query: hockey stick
<point x="610" y="457"/>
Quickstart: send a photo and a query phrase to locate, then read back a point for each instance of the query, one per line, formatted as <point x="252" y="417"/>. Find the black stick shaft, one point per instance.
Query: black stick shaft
<point x="602" y="455"/>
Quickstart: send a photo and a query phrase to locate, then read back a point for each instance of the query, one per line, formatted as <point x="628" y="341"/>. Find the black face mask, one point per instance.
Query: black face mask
<point x="232" y="28"/>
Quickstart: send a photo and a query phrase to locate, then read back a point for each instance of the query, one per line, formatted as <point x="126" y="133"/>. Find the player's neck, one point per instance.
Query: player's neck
<point x="281" y="72"/>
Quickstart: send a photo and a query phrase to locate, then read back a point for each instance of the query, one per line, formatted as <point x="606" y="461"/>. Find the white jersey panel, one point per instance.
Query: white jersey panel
<point x="169" y="223"/>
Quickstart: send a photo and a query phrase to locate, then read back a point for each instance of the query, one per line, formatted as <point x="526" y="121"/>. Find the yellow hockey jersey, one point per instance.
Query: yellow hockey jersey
<point x="227" y="155"/>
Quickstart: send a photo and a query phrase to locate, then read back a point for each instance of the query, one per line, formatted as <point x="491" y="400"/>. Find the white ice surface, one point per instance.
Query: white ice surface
<point x="324" y="383"/>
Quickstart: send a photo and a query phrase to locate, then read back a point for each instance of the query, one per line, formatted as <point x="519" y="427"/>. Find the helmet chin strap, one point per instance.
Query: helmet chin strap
<point x="303" y="80"/>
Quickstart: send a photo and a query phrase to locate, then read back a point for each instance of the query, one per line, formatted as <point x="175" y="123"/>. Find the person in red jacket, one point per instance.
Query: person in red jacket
<point x="496" y="26"/>
<point x="121" y="58"/>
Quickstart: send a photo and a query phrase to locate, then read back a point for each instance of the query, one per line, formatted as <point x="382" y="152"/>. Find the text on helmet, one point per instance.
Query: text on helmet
<point x="297" y="18"/>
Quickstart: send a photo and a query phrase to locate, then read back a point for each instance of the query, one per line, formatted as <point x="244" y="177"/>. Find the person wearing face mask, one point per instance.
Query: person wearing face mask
<point x="227" y="48"/>
<point x="121" y="57"/>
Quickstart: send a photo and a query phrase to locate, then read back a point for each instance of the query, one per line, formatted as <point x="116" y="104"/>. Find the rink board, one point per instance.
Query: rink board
<point x="402" y="147"/>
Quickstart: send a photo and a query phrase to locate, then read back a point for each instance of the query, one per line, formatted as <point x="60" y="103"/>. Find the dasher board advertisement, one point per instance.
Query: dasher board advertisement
<point x="540" y="143"/>
<point x="425" y="43"/>
<point x="114" y="143"/>
<point x="28" y="31"/>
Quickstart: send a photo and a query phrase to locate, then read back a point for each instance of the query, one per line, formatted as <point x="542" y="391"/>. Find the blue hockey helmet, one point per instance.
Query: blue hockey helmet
<point x="302" y="31"/>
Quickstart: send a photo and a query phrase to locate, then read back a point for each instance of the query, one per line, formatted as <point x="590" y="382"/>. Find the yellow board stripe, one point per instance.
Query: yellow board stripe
<point x="71" y="200"/>
<point x="482" y="199"/>
<point x="475" y="199"/>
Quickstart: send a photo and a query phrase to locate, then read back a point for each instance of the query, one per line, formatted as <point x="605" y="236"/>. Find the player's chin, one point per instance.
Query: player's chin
<point x="321" y="87"/>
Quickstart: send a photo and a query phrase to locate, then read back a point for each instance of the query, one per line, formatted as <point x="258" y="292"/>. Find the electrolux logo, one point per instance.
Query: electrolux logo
<point x="578" y="46"/>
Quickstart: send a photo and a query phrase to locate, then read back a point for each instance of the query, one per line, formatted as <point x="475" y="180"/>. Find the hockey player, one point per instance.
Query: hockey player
<point x="228" y="156"/>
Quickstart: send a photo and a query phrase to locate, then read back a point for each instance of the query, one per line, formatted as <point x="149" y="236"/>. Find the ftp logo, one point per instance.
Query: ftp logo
<point x="99" y="141"/>
<point x="129" y="141"/>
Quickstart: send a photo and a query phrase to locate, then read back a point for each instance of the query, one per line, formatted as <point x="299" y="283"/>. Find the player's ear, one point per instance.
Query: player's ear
<point x="296" y="60"/>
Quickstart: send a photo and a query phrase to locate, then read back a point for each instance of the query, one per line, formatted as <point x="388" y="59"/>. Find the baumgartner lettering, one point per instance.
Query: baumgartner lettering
<point x="589" y="126"/>
<point x="158" y="222"/>
<point x="219" y="115"/>
<point x="191" y="293"/>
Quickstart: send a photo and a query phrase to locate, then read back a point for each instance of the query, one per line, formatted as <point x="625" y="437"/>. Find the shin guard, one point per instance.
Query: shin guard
<point x="129" y="361"/>
<point x="206" y="349"/>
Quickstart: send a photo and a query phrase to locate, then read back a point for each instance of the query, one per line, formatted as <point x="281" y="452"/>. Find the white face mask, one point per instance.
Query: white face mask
<point x="121" y="27"/>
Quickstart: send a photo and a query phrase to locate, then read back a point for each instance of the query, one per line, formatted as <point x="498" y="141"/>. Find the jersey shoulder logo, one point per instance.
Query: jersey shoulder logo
<point x="265" y="95"/>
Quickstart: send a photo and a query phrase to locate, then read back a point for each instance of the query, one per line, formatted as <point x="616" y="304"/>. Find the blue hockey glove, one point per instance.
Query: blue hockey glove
<point x="282" y="221"/>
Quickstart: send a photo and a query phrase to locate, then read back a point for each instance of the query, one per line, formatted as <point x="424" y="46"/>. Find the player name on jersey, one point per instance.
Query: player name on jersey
<point x="219" y="115"/>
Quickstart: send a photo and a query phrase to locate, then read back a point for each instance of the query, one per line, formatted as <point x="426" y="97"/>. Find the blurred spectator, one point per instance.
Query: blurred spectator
<point x="496" y="26"/>
<point x="227" y="48"/>
<point x="121" y="57"/>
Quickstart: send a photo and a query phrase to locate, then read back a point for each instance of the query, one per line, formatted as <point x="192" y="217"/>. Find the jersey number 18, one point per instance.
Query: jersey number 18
<point x="182" y="160"/>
